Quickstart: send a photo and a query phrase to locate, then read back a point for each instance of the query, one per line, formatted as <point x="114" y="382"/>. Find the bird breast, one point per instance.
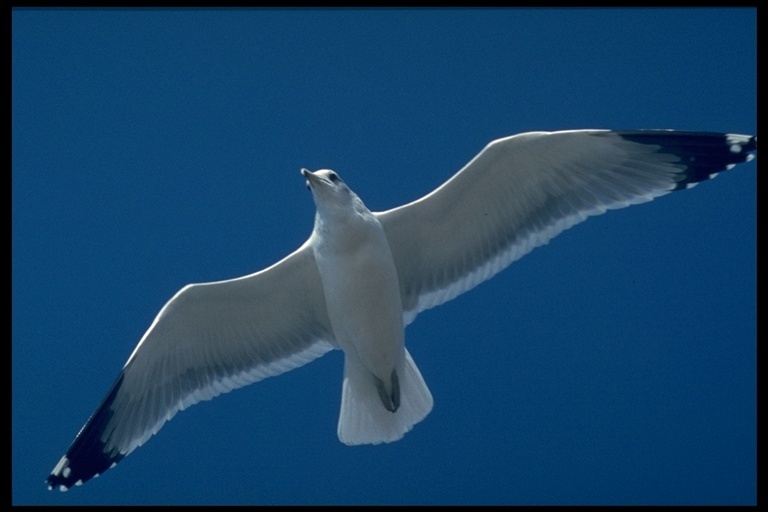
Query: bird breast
<point x="362" y="293"/>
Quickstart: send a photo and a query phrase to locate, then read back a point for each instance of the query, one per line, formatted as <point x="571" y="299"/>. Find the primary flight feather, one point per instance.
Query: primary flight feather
<point x="362" y="276"/>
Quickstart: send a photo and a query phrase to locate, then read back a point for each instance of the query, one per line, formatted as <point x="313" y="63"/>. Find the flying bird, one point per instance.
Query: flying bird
<point x="362" y="276"/>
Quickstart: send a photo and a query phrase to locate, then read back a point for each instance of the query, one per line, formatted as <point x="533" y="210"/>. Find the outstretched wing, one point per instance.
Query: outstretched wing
<point x="521" y="191"/>
<point x="208" y="339"/>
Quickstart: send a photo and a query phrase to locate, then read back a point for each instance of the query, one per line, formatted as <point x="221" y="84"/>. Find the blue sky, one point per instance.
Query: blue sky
<point x="154" y="148"/>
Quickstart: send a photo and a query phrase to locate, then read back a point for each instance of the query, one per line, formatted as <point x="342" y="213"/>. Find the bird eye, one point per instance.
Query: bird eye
<point x="333" y="177"/>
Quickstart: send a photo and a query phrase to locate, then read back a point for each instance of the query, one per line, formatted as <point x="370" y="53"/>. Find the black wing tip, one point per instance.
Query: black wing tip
<point x="88" y="457"/>
<point x="703" y="155"/>
<point x="64" y="475"/>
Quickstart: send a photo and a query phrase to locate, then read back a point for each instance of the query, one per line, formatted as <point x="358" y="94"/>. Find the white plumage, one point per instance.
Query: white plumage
<point x="363" y="276"/>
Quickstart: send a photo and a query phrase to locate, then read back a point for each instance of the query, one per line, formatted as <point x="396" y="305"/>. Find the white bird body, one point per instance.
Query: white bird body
<point x="362" y="276"/>
<point x="353" y="257"/>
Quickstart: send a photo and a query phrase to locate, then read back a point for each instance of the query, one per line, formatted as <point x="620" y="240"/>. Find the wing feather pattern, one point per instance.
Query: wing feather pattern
<point x="521" y="191"/>
<point x="209" y="339"/>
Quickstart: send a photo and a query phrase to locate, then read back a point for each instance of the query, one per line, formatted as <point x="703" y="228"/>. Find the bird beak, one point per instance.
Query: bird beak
<point x="311" y="178"/>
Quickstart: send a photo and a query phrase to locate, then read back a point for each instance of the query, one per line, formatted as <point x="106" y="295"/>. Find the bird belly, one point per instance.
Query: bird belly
<point x="362" y="293"/>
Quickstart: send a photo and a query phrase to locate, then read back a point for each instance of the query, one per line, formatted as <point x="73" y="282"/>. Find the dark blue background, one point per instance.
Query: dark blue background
<point x="154" y="148"/>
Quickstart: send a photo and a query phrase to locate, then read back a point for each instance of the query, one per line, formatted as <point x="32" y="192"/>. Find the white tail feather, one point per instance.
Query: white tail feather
<point x="363" y="418"/>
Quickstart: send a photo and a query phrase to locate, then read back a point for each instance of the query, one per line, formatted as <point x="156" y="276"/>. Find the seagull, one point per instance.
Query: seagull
<point x="362" y="276"/>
